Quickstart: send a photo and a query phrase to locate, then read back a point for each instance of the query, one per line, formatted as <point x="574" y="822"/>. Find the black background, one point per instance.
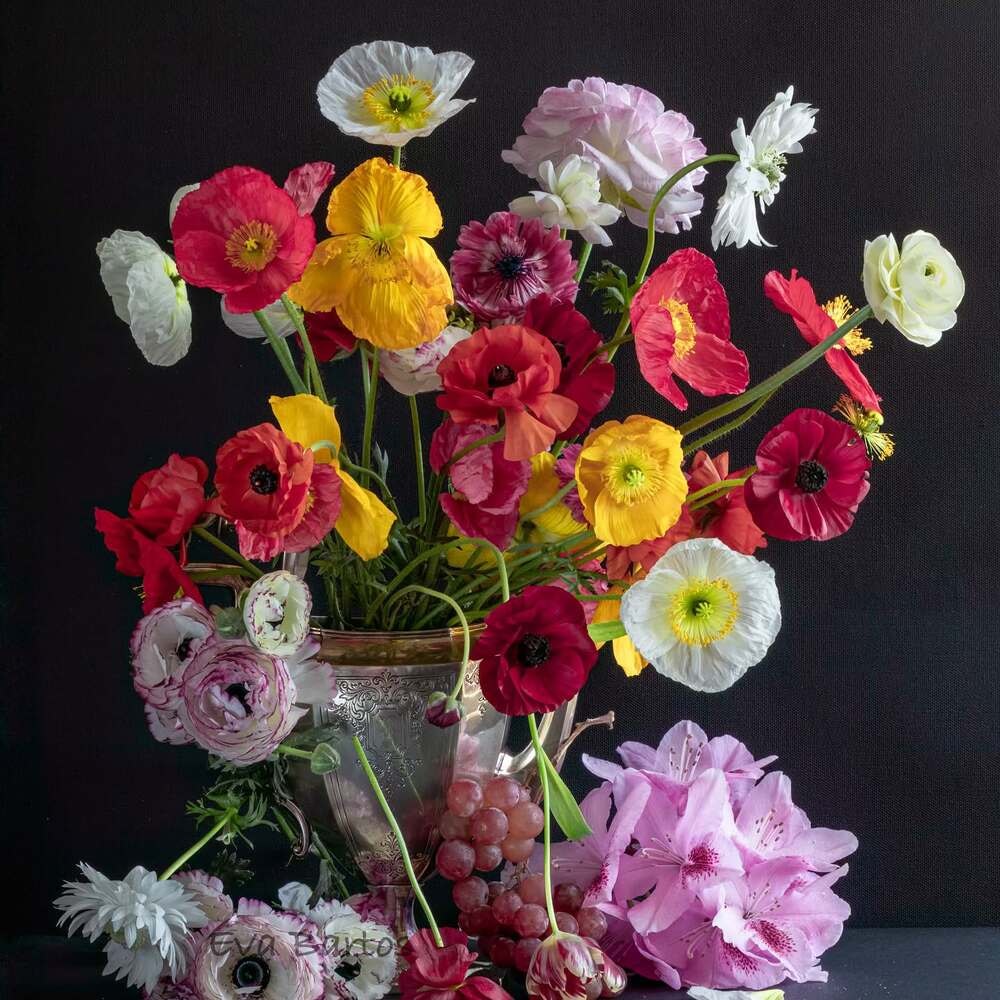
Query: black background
<point x="881" y="693"/>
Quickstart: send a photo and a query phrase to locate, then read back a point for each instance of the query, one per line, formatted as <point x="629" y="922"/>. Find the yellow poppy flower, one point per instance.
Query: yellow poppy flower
<point x="364" y="522"/>
<point x="556" y="522"/>
<point x="626" y="655"/>
<point x="630" y="481"/>
<point x="376" y="270"/>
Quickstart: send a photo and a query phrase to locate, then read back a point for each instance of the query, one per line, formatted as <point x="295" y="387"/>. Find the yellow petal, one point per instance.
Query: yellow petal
<point x="626" y="655"/>
<point x="556" y="522"/>
<point x="306" y="419"/>
<point x="327" y="279"/>
<point x="364" y="521"/>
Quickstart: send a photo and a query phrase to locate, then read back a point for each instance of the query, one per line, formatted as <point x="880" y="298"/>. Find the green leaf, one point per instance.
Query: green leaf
<point x="605" y="631"/>
<point x="565" y="811"/>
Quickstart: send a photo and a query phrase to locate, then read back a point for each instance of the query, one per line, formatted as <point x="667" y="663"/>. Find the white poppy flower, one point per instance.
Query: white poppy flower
<point x="414" y="369"/>
<point x="276" y="613"/>
<point x="148" y="293"/>
<point x="246" y="325"/>
<point x="761" y="169"/>
<point x="570" y="199"/>
<point x="388" y="93"/>
<point x="704" y="614"/>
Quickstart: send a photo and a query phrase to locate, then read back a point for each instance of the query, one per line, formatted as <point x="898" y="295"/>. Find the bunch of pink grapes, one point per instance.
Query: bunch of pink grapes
<point x="486" y="824"/>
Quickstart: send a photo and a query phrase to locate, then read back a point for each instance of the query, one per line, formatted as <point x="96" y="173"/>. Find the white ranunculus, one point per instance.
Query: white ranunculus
<point x="388" y="93"/>
<point x="414" y="369"/>
<point x="246" y="325"/>
<point x="276" y="613"/>
<point x="570" y="198"/>
<point x="148" y="293"/>
<point x="917" y="288"/>
<point x="760" y="170"/>
<point x="704" y="614"/>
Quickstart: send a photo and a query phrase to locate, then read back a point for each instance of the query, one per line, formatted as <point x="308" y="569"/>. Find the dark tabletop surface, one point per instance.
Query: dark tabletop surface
<point x="872" y="964"/>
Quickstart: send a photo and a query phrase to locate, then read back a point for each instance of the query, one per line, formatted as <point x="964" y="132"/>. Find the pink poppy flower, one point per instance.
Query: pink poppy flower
<point x="306" y="183"/>
<point x="680" y="317"/>
<point x="812" y="473"/>
<point x="485" y="488"/>
<point x="503" y="263"/>
<point x="795" y="296"/>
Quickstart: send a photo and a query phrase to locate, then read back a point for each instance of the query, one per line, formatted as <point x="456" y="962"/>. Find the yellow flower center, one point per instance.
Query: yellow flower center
<point x="684" y="328"/>
<point x="704" y="611"/>
<point x="840" y="311"/>
<point x="374" y="255"/>
<point x="252" y="246"/>
<point x="632" y="477"/>
<point x="868" y="424"/>
<point x="399" y="102"/>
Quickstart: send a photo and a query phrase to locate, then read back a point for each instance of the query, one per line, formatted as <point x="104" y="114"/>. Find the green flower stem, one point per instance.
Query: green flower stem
<point x="195" y="848"/>
<point x="400" y="842"/>
<point x="207" y="536"/>
<point x="556" y="498"/>
<point x="307" y="349"/>
<point x="372" y="392"/>
<point x="779" y="378"/>
<point x="473" y="445"/>
<point x="581" y="267"/>
<point x="418" y="456"/>
<point x="727" y="428"/>
<point x="397" y="155"/>
<point x="371" y="474"/>
<point x="619" y="337"/>
<point x="543" y="773"/>
<point x="293" y="752"/>
<point x="708" y="492"/>
<point x="282" y="352"/>
<point x="406" y="571"/>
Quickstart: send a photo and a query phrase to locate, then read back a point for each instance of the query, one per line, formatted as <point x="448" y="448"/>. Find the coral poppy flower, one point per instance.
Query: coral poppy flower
<point x="630" y="481"/>
<point x="241" y="235"/>
<point x="510" y="370"/>
<point x="535" y="652"/>
<point x="435" y="973"/>
<point x="795" y="296"/>
<point x="166" y="502"/>
<point x="363" y="521"/>
<point x="591" y="385"/>
<point x="812" y="472"/>
<point x="680" y="317"/>
<point x="377" y="270"/>
<point x="484" y="486"/>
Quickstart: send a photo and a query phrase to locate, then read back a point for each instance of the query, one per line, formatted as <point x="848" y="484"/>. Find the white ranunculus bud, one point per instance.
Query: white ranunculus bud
<point x="276" y="613"/>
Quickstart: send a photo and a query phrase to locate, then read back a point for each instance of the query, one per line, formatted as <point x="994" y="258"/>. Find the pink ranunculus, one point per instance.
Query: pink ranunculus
<point x="626" y="131"/>
<point x="415" y="369"/>
<point x="485" y="488"/>
<point x="209" y="893"/>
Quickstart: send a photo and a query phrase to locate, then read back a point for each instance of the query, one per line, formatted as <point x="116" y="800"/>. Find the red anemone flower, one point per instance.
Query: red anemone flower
<point x="442" y="973"/>
<point x="680" y="318"/>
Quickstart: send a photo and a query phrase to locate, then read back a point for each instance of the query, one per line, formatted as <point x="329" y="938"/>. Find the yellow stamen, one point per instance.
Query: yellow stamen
<point x="399" y="102"/>
<point x="704" y="611"/>
<point x="632" y="476"/>
<point x="252" y="246"/>
<point x="840" y="311"/>
<point x="684" y="328"/>
<point x="868" y="424"/>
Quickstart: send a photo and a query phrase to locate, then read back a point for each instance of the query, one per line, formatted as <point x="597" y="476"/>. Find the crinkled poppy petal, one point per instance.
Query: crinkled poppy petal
<point x="201" y="260"/>
<point x="714" y="367"/>
<point x="795" y="297"/>
<point x="525" y="435"/>
<point x="847" y="370"/>
<point x="654" y="347"/>
<point x="699" y="288"/>
<point x="305" y="184"/>
<point x="364" y="522"/>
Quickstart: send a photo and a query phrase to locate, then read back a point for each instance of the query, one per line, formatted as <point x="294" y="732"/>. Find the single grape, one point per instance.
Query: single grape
<point x="526" y="820"/>
<point x="568" y="897"/>
<point x="464" y="924"/>
<point x="502" y="793"/>
<point x="465" y="797"/>
<point x="484" y="943"/>
<point x="524" y="952"/>
<point x="506" y="905"/>
<point x="567" y="922"/>
<point x="531" y="920"/>
<point x="495" y="889"/>
<point x="524" y="794"/>
<point x="531" y="889"/>
<point x="482" y="921"/>
<point x="502" y="951"/>
<point x="593" y="923"/>
<point x="488" y="826"/>
<point x="517" y="849"/>
<point x="488" y="857"/>
<point x="454" y="827"/>
<point x="470" y="893"/>
<point x="455" y="859"/>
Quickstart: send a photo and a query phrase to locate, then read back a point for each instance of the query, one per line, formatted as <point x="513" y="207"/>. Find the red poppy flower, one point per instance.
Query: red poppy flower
<point x="328" y="335"/>
<point x="680" y="317"/>
<point x="510" y="370"/>
<point x="486" y="488"/>
<point x="590" y="386"/>
<point x="242" y="235"/>
<point x="795" y="296"/>
<point x="137" y="555"/>
<point x="812" y="472"/>
<point x="535" y="652"/>
<point x="263" y="480"/>
<point x="435" y="973"/>
<point x="167" y="501"/>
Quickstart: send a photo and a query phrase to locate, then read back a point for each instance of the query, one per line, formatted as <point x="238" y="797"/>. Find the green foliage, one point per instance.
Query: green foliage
<point x="611" y="284"/>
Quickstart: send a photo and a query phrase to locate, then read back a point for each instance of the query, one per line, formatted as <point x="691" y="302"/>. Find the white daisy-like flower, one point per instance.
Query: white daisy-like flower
<point x="147" y="920"/>
<point x="704" y="614"/>
<point x="361" y="954"/>
<point x="413" y="370"/>
<point x="570" y="199"/>
<point x="148" y="293"/>
<point x="276" y="613"/>
<point x="388" y="93"/>
<point x="246" y="325"/>
<point x="761" y="169"/>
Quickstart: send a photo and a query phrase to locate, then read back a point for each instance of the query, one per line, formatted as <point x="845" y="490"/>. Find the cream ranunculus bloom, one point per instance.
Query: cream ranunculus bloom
<point x="917" y="287"/>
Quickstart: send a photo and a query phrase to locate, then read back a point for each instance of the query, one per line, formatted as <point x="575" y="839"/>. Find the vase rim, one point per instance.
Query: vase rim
<point x="434" y="634"/>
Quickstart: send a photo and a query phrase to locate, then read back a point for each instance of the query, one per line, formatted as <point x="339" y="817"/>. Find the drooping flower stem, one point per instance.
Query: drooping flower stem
<point x="543" y="774"/>
<point x="418" y="456"/>
<point x="283" y="354"/>
<point x="779" y="378"/>
<point x="293" y="752"/>
<point x="223" y="821"/>
<point x="371" y="391"/>
<point x="581" y="266"/>
<point x="729" y="427"/>
<point x="707" y="494"/>
<point x="307" y="349"/>
<point x="400" y="842"/>
<point x="207" y="536"/>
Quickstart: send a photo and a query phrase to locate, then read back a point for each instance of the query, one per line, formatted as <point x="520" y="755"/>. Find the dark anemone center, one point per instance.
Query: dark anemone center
<point x="501" y="375"/>
<point x="263" y="480"/>
<point x="533" y="650"/>
<point x="251" y="973"/>
<point x="510" y="266"/>
<point x="349" y="968"/>
<point x="811" y="477"/>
